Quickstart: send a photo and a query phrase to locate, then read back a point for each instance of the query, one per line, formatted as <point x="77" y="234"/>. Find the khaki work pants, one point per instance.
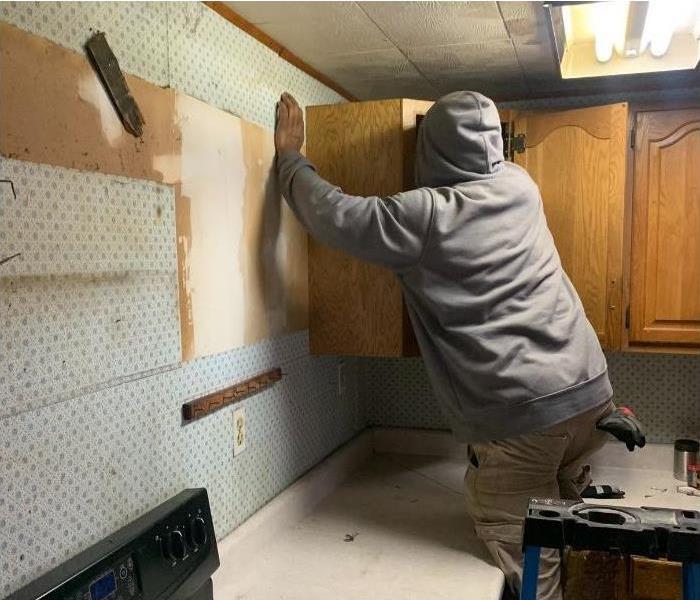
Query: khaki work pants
<point x="546" y="464"/>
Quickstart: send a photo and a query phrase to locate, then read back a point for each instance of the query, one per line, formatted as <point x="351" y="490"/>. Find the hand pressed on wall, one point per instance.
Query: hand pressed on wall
<point x="289" y="130"/>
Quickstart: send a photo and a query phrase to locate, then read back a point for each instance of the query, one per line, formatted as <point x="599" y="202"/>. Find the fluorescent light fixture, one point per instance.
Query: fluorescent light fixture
<point x="624" y="37"/>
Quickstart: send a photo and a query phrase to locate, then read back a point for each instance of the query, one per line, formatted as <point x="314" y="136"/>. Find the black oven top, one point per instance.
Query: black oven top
<point x="168" y="553"/>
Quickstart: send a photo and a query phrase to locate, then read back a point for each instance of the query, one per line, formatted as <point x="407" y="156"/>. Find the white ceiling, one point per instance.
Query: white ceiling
<point x="414" y="49"/>
<point x="426" y="49"/>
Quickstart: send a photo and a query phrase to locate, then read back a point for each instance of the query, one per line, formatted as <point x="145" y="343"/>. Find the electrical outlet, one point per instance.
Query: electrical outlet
<point x="342" y="375"/>
<point x="239" y="431"/>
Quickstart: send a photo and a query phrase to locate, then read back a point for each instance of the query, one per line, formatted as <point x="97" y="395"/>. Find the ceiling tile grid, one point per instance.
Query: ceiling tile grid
<point x="413" y="49"/>
<point x="416" y="24"/>
<point x="496" y="59"/>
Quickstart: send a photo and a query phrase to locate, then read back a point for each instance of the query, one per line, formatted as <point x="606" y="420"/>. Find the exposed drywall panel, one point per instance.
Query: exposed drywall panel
<point x="91" y="297"/>
<point x="136" y="31"/>
<point x="243" y="258"/>
<point x="274" y="247"/>
<point x="54" y="110"/>
<point x="212" y="60"/>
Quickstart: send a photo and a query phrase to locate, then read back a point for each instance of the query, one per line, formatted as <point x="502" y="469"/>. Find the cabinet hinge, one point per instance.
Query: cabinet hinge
<point x="633" y="137"/>
<point x="512" y="143"/>
<point x="627" y="318"/>
<point x="519" y="143"/>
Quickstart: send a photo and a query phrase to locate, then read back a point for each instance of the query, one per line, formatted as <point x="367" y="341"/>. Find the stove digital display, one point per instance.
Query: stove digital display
<point x="104" y="587"/>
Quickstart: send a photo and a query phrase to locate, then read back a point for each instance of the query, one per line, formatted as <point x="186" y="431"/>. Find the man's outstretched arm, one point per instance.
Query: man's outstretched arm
<point x="388" y="231"/>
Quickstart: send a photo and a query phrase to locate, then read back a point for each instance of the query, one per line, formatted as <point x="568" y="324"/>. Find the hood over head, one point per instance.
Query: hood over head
<point x="459" y="140"/>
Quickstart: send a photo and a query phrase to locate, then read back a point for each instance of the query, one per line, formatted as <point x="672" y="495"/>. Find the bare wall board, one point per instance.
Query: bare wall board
<point x="241" y="253"/>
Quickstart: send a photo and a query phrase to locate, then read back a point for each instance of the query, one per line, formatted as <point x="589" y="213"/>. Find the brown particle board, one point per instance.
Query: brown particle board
<point x="356" y="308"/>
<point x="54" y="110"/>
<point x="242" y="256"/>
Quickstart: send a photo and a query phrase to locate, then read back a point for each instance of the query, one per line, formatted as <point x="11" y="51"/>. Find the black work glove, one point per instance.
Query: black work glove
<point x="625" y="427"/>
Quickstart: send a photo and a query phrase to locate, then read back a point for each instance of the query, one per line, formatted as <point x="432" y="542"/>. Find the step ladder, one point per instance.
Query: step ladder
<point x="651" y="532"/>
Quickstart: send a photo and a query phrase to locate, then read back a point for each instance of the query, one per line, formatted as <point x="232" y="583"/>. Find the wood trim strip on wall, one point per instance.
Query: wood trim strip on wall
<point x="233" y="17"/>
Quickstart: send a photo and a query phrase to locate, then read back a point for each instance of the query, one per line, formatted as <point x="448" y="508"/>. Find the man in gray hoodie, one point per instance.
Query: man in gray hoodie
<point x="512" y="359"/>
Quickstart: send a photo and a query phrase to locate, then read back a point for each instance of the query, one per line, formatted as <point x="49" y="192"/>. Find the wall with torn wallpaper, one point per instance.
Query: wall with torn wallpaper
<point x="91" y="371"/>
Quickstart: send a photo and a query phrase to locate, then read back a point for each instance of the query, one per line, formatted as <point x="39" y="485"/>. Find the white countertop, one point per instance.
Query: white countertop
<point x="647" y="478"/>
<point x="412" y="540"/>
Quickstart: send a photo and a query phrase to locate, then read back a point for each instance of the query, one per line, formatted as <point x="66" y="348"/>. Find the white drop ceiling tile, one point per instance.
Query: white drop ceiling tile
<point x="525" y="21"/>
<point x="495" y="59"/>
<point x="376" y="65"/>
<point x="260" y="13"/>
<point x="411" y="24"/>
<point x="311" y="38"/>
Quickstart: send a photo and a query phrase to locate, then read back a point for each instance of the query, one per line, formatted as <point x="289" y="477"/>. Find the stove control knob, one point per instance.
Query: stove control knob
<point x="198" y="532"/>
<point x="173" y="546"/>
<point x="178" y="549"/>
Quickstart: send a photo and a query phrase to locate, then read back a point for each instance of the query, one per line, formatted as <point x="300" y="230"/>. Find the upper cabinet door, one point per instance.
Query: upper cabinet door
<point x="578" y="160"/>
<point x="665" y="291"/>
<point x="367" y="148"/>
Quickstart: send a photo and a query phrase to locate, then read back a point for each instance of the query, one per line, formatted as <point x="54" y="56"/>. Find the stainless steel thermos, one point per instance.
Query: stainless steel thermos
<point x="685" y="452"/>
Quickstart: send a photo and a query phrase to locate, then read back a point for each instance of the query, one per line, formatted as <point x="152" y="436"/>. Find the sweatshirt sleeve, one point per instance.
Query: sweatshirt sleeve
<point x="391" y="232"/>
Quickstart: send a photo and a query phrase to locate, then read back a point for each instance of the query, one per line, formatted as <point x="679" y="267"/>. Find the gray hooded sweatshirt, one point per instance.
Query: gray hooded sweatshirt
<point x="502" y="331"/>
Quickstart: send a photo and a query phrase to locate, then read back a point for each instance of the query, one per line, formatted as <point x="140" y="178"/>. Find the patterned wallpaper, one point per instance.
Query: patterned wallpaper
<point x="87" y="445"/>
<point x="181" y="44"/>
<point x="91" y="297"/>
<point x="70" y="473"/>
<point x="90" y="379"/>
<point x="664" y="391"/>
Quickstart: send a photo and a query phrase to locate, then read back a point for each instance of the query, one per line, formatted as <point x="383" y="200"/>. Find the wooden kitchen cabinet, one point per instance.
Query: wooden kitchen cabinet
<point x="626" y="223"/>
<point x="367" y="148"/>
<point x="665" y="240"/>
<point x="655" y="580"/>
<point x="608" y="576"/>
<point x="578" y="158"/>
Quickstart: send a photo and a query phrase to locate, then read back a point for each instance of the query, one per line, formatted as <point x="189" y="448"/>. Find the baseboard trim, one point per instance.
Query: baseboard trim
<point x="428" y="442"/>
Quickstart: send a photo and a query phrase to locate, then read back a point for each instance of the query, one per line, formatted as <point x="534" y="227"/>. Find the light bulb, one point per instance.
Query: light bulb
<point x="603" y="49"/>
